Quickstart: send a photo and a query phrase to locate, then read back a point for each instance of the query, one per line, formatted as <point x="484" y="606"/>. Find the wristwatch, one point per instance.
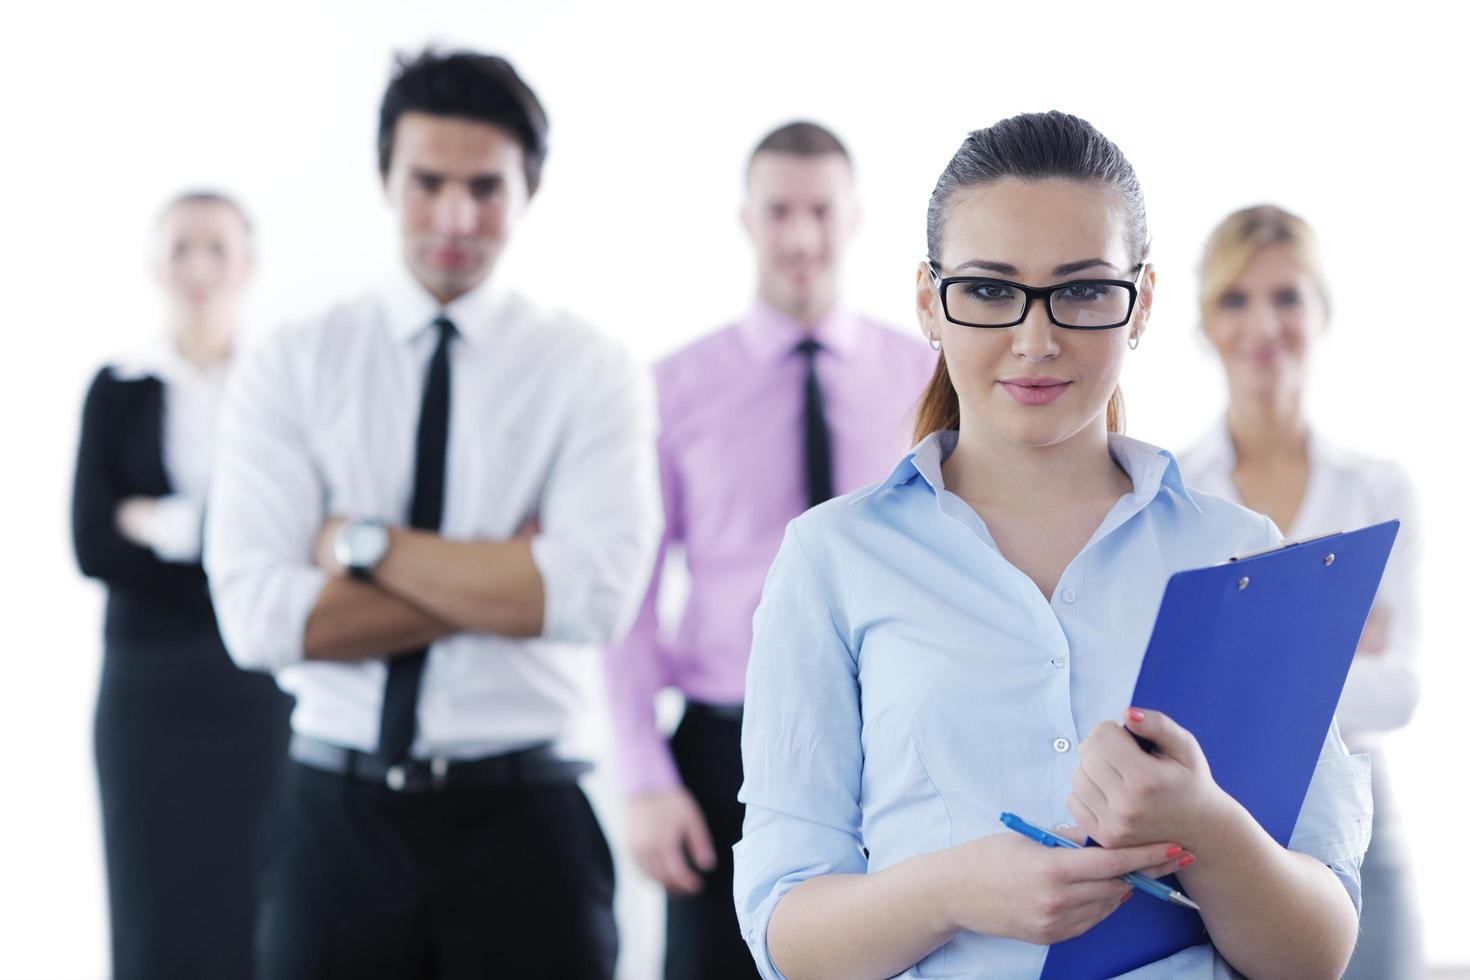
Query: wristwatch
<point x="359" y="546"/>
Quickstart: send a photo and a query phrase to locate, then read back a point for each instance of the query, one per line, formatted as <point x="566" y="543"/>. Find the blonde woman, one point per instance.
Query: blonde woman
<point x="187" y="746"/>
<point x="1264" y="305"/>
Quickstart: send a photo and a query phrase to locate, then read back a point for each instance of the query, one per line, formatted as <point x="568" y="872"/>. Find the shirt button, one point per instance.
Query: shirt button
<point x="1062" y="744"/>
<point x="1059" y="661"/>
<point x="1068" y="595"/>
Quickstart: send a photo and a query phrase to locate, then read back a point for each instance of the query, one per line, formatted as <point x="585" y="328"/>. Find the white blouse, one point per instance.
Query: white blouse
<point x="1347" y="491"/>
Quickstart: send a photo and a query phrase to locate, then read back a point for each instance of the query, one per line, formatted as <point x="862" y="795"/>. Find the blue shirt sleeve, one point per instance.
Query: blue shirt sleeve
<point x="802" y="748"/>
<point x="1336" y="819"/>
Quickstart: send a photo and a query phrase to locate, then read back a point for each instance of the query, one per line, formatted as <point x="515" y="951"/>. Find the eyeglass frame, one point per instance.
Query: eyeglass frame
<point x="1044" y="293"/>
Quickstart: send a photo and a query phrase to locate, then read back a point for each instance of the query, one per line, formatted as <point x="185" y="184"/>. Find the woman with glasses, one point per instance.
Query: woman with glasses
<point x="187" y="746"/>
<point x="955" y="641"/>
<point x="1263" y="306"/>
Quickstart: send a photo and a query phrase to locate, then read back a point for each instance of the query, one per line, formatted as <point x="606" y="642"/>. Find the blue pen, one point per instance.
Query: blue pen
<point x="1145" y="884"/>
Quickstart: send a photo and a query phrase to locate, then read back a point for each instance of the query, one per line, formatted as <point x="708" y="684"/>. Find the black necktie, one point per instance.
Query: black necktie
<point x="818" y="440"/>
<point x="406" y="671"/>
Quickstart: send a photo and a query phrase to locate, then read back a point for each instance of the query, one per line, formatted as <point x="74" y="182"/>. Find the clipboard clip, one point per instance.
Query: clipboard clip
<point x="1281" y="547"/>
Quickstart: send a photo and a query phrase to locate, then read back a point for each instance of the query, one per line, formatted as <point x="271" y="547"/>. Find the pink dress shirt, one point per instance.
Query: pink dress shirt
<point x="731" y="462"/>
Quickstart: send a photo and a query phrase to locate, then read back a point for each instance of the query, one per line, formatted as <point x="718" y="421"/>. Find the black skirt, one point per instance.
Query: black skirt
<point x="188" y="747"/>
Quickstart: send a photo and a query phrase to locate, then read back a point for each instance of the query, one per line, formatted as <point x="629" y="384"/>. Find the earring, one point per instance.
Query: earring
<point x="934" y="342"/>
<point x="1133" y="342"/>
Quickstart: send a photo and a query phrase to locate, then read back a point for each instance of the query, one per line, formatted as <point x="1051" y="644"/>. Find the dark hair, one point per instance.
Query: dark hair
<point x="464" y="85"/>
<point x="204" y="196"/>
<point x="1031" y="146"/>
<point x="800" y="138"/>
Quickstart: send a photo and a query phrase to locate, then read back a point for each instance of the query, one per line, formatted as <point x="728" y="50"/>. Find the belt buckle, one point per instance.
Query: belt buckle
<point x="398" y="776"/>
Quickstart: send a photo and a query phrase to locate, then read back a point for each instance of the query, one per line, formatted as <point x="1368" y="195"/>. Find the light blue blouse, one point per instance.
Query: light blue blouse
<point x="907" y="684"/>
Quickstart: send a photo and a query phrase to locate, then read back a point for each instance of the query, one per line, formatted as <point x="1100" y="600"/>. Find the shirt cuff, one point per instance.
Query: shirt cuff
<point x="647" y="766"/>
<point x="263" y="619"/>
<point x="755" y="922"/>
<point x="583" y="604"/>
<point x="175" y="528"/>
<point x="1336" y="821"/>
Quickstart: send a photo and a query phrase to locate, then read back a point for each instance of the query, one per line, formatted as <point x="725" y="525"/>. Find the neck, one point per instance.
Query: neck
<point x="1264" y="428"/>
<point x="203" y="340"/>
<point x="444" y="298"/>
<point x="446" y="294"/>
<point x="998" y="473"/>
<point x="806" y="314"/>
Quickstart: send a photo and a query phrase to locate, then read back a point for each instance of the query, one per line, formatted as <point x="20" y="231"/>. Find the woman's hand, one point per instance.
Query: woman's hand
<point x="1123" y="795"/>
<point x="132" y="517"/>
<point x="1007" y="885"/>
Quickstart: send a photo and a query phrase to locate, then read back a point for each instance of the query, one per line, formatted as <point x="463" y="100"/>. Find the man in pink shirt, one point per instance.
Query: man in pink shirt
<point x="797" y="401"/>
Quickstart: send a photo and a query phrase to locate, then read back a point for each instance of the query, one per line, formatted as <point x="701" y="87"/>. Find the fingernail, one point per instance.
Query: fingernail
<point x="1128" y="894"/>
<point x="1187" y="860"/>
<point x="1174" y="851"/>
<point x="1135" y="715"/>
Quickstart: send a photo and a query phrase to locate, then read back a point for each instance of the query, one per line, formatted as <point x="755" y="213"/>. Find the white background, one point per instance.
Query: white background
<point x="1353" y="120"/>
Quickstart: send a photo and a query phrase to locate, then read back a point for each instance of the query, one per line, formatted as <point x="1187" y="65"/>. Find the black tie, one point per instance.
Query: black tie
<point x="818" y="439"/>
<point x="406" y="671"/>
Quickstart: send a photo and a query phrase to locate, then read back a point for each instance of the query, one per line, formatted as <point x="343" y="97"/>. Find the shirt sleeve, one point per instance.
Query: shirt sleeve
<point x="599" y="515"/>
<point x="635" y="668"/>
<point x="1336" y="820"/>
<point x="1382" y="688"/>
<point x="802" y="749"/>
<point x="175" y="528"/>
<point x="266" y="507"/>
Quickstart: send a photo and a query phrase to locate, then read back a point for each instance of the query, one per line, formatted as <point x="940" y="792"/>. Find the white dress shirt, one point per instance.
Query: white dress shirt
<point x="191" y="401"/>
<point x="548" y="419"/>
<point x="1347" y="491"/>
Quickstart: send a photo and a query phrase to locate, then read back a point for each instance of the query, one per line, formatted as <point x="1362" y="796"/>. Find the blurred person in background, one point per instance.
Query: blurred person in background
<point x="433" y="503"/>
<point x="187" y="746"/>
<point x="798" y="400"/>
<point x="1264" y="305"/>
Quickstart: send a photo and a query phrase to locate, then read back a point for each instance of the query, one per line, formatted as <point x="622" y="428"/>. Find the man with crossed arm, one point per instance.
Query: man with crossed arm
<point x="429" y="503"/>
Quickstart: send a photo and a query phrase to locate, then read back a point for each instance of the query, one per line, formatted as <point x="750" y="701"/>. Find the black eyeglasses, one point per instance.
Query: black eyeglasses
<point x="1081" y="304"/>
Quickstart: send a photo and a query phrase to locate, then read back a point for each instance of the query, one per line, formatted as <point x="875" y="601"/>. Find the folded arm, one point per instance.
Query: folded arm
<point x="475" y="586"/>
<point x="358" y="621"/>
<point x="103" y="549"/>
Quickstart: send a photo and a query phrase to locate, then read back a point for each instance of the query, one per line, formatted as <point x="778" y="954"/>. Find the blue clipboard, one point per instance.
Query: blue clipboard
<point x="1251" y="656"/>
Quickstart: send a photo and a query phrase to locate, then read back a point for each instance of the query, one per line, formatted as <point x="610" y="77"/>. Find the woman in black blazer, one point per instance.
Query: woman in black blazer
<point x="186" y="745"/>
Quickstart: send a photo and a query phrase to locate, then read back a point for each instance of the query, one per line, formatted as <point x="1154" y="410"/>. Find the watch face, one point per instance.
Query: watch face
<point x="362" y="544"/>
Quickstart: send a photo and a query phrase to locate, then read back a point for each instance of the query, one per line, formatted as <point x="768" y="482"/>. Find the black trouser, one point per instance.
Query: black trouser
<point x="704" y="941"/>
<point x="360" y="882"/>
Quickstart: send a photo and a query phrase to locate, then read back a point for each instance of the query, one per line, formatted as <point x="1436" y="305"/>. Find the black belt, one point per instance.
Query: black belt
<point x="537" y="765"/>
<point x="719" y="712"/>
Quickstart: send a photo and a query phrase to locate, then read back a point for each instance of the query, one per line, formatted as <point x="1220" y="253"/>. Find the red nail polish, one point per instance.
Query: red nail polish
<point x="1187" y="860"/>
<point x="1135" y="715"/>
<point x="1173" y="852"/>
<point x="1127" y="895"/>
